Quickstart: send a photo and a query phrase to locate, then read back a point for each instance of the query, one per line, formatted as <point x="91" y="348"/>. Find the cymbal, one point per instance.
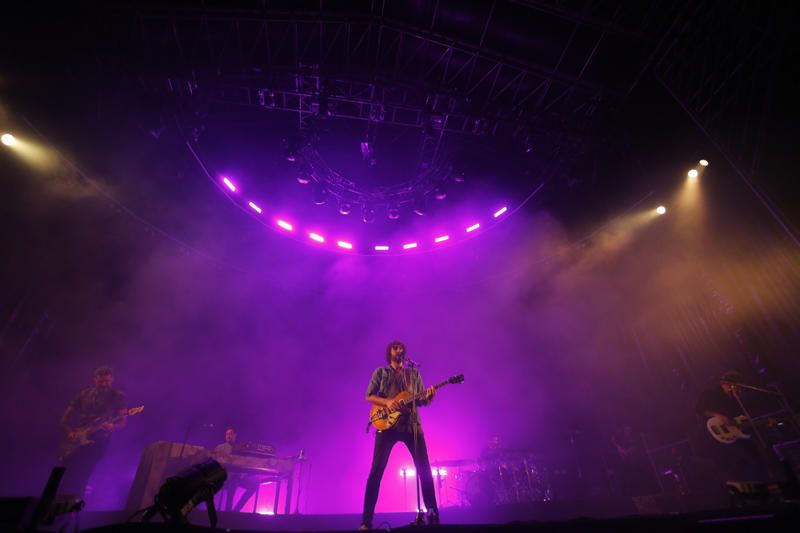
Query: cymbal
<point x="454" y="462"/>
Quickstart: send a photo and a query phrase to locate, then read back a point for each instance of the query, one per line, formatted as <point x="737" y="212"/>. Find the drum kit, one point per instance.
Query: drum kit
<point x="498" y="478"/>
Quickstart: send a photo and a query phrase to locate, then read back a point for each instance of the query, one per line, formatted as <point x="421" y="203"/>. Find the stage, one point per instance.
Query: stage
<point x="512" y="518"/>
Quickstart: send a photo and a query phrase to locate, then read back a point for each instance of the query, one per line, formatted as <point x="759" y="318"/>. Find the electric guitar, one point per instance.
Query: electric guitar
<point x="727" y="433"/>
<point x="382" y="418"/>
<point x="80" y="436"/>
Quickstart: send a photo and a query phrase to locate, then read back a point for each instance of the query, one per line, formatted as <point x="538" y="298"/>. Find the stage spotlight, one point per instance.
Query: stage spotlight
<point x="500" y="212"/>
<point x="693" y="173"/>
<point x="393" y="212"/>
<point x="703" y="163"/>
<point x="418" y="206"/>
<point x="8" y="139"/>
<point x="381" y="248"/>
<point x="229" y="184"/>
<point x="345" y="207"/>
<point x="302" y="179"/>
<point x="320" y="194"/>
<point x="185" y="491"/>
<point x="368" y="214"/>
<point x="473" y="227"/>
<point x="661" y="210"/>
<point x="439" y="192"/>
<point x="344" y="244"/>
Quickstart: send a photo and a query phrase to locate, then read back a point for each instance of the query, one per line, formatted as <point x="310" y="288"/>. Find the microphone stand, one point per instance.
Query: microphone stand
<point x="420" y="519"/>
<point x="769" y="458"/>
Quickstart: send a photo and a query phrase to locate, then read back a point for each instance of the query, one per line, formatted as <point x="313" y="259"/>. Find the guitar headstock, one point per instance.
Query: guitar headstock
<point x="135" y="410"/>
<point x="456" y="379"/>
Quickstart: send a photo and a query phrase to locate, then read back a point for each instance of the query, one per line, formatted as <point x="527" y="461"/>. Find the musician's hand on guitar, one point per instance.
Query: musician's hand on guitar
<point x="392" y="406"/>
<point x="430" y="392"/>
<point x="108" y="426"/>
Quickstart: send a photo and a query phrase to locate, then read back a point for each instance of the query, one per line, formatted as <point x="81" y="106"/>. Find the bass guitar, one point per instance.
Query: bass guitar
<point x="382" y="418"/>
<point x="727" y="433"/>
<point x="80" y="437"/>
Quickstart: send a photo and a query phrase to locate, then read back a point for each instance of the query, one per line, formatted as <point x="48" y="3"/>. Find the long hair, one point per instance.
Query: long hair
<point x="389" y="350"/>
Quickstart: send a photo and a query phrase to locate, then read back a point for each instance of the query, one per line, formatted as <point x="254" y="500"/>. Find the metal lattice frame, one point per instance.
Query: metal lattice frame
<point x="381" y="68"/>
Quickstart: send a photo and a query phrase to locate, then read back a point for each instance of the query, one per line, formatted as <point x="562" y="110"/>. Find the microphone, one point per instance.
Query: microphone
<point x="411" y="363"/>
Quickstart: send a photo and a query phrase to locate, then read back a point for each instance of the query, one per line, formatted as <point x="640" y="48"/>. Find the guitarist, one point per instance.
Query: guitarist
<point x="740" y="460"/>
<point x="386" y="383"/>
<point x="100" y="401"/>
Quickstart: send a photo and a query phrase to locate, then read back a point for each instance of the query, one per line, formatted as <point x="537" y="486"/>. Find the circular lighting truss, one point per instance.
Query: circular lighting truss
<point x="509" y="146"/>
<point x="427" y="186"/>
<point x="313" y="235"/>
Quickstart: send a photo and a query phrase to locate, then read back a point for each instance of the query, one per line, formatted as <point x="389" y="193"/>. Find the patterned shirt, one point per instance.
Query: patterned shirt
<point x="387" y="382"/>
<point x="94" y="403"/>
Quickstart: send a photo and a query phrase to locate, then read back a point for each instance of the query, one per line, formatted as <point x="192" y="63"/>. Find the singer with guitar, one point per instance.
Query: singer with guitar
<point x="81" y="455"/>
<point x="386" y="384"/>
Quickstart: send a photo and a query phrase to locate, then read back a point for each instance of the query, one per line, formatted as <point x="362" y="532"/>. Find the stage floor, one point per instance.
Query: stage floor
<point x="779" y="518"/>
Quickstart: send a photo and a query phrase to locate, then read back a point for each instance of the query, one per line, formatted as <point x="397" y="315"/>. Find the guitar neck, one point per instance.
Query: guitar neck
<point x="437" y="387"/>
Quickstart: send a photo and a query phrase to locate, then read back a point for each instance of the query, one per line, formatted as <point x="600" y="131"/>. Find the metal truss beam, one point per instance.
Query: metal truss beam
<point x="386" y="48"/>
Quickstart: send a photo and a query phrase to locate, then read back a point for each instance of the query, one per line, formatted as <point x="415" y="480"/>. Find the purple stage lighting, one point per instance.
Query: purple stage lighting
<point x="407" y="472"/>
<point x="393" y="211"/>
<point x="229" y="184"/>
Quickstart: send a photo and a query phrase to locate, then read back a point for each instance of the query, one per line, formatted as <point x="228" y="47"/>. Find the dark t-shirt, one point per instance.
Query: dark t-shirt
<point x="716" y="400"/>
<point x="92" y="404"/>
<point x="387" y="382"/>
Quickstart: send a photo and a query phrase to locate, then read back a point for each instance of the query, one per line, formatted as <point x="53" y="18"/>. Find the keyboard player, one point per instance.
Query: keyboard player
<point x="248" y="483"/>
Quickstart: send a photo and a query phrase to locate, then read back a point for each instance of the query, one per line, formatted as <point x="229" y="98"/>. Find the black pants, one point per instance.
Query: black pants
<point x="384" y="442"/>
<point x="79" y="465"/>
<point x="229" y="490"/>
